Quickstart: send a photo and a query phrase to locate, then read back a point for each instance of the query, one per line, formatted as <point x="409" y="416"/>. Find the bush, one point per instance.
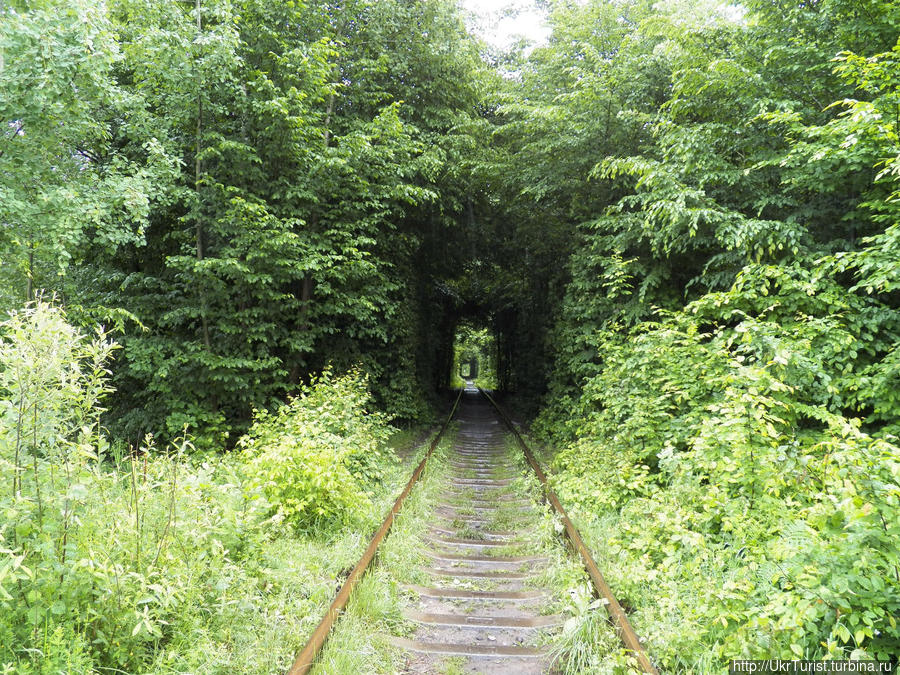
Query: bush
<point x="161" y="559"/>
<point x="734" y="503"/>
<point x="318" y="457"/>
<point x="51" y="381"/>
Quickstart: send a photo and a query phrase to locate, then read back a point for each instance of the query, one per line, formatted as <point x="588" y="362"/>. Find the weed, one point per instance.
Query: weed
<point x="453" y="666"/>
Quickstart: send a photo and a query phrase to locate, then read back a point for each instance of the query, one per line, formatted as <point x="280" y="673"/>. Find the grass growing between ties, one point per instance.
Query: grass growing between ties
<point x="357" y="643"/>
<point x="454" y="665"/>
<point x="587" y="642"/>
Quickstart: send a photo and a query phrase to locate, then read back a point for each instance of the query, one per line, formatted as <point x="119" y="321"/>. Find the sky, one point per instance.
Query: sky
<point x="497" y="26"/>
<point x="502" y="22"/>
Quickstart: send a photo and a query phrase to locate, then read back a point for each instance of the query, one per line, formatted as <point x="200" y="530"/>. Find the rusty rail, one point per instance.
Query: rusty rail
<point x="307" y="655"/>
<point x="620" y="619"/>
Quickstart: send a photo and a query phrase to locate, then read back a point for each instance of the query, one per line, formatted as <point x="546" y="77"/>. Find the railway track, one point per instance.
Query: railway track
<point x="479" y="599"/>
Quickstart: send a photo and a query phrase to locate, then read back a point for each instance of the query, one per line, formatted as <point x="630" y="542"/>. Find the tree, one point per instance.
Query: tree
<point x="58" y="184"/>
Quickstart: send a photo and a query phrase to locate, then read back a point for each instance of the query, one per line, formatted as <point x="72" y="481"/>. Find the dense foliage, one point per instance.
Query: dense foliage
<point x="728" y="335"/>
<point x="474" y="357"/>
<point x="259" y="181"/>
<point x="161" y="558"/>
<point x="677" y="221"/>
<point x="318" y="457"/>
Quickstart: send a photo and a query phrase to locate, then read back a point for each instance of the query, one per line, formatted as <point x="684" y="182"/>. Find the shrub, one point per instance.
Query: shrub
<point x="51" y="381"/>
<point x="101" y="552"/>
<point x="318" y="457"/>
<point x="727" y="492"/>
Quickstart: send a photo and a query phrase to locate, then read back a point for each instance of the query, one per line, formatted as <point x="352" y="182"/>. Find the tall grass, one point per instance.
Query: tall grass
<point x="153" y="559"/>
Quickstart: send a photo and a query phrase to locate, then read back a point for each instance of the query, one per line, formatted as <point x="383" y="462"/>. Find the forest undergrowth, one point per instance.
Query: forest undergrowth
<point x="160" y="558"/>
<point x="737" y="512"/>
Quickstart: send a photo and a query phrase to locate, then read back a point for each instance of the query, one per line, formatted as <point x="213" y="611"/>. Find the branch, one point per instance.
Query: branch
<point x="15" y="133"/>
<point x="88" y="155"/>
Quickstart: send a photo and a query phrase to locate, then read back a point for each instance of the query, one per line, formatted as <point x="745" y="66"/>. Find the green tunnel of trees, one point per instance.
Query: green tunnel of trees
<point x="250" y="191"/>
<point x="679" y="221"/>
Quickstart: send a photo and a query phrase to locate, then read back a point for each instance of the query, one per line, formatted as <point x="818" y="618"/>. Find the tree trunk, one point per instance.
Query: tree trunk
<point x="198" y="215"/>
